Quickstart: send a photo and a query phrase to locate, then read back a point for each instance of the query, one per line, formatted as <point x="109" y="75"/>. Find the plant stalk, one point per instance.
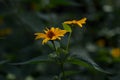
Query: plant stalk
<point x="68" y="41"/>
<point x="54" y="45"/>
<point x="63" y="72"/>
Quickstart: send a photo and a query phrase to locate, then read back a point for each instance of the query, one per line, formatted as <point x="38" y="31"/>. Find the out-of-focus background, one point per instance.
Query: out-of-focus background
<point x="99" y="37"/>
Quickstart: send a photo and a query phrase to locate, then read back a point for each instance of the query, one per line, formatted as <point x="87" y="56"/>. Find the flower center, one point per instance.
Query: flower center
<point x="50" y="34"/>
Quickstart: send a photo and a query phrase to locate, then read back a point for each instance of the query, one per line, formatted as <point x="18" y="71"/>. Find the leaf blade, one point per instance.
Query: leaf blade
<point x="86" y="58"/>
<point x="40" y="59"/>
<point x="67" y="27"/>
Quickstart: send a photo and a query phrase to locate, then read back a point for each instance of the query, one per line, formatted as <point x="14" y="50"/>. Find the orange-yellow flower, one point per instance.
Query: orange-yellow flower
<point x="101" y="42"/>
<point x="50" y="34"/>
<point x="78" y="22"/>
<point x="115" y="52"/>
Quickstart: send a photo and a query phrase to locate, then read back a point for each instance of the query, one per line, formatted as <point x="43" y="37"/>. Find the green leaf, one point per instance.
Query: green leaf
<point x="57" y="44"/>
<point x="62" y="51"/>
<point x="84" y="57"/>
<point x="78" y="62"/>
<point x="60" y="54"/>
<point x="53" y="55"/>
<point x="67" y="27"/>
<point x="50" y="45"/>
<point x="40" y="59"/>
<point x="69" y="73"/>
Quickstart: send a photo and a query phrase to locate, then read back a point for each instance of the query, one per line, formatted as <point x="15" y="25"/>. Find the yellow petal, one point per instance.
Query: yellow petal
<point x="60" y="32"/>
<point x="59" y="38"/>
<point x="45" y="40"/>
<point x="55" y="37"/>
<point x="68" y="22"/>
<point x="56" y="30"/>
<point x="50" y="34"/>
<point x="74" y="21"/>
<point x="82" y="21"/>
<point x="46" y="30"/>
<point x="39" y="35"/>
<point x="52" y="29"/>
<point x="79" y="24"/>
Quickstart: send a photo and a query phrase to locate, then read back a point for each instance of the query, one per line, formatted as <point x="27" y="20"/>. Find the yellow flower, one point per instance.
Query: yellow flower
<point x="115" y="52"/>
<point x="78" y="22"/>
<point x="101" y="42"/>
<point x="50" y="34"/>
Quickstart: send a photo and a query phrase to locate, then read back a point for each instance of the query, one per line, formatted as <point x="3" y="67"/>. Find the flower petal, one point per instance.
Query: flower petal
<point x="68" y="22"/>
<point x="82" y="21"/>
<point x="40" y="35"/>
<point x="50" y="34"/>
<point x="45" y="40"/>
<point x="79" y="24"/>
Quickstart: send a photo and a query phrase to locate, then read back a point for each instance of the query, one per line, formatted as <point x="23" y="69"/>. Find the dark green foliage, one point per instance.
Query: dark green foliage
<point x="24" y="58"/>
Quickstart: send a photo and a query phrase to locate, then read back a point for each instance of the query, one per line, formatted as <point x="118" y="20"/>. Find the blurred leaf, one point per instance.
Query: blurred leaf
<point x="2" y="77"/>
<point x="32" y="20"/>
<point x="92" y="63"/>
<point x="4" y="61"/>
<point x="86" y="58"/>
<point x="57" y="44"/>
<point x="53" y="55"/>
<point x="69" y="73"/>
<point x="15" y="71"/>
<point x="61" y="55"/>
<point x="78" y="62"/>
<point x="56" y="78"/>
<point x="62" y="51"/>
<point x="40" y="59"/>
<point x="116" y="59"/>
<point x="63" y="2"/>
<point x="67" y="27"/>
<point x="50" y="44"/>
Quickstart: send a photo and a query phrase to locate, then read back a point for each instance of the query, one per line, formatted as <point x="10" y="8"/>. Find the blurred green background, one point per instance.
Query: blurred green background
<point x="99" y="37"/>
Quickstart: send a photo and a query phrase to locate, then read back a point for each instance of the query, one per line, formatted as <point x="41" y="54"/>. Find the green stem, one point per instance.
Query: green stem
<point x="63" y="72"/>
<point x="68" y="41"/>
<point x="54" y="45"/>
<point x="61" y="62"/>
